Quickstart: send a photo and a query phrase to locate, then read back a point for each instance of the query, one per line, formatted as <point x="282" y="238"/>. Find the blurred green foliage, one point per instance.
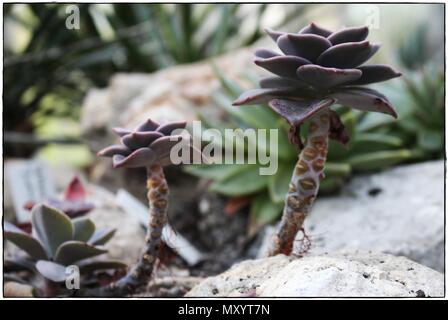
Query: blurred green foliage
<point x="48" y="68"/>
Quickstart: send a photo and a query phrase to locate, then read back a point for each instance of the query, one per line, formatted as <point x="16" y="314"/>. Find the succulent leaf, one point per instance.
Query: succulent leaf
<point x="365" y="100"/>
<point x="247" y="182"/>
<point x="313" y="28"/>
<point x="322" y="77"/>
<point x="24" y="241"/>
<point x="52" y="227"/>
<point x="375" y="73"/>
<point x="307" y="46"/>
<point x="75" y="190"/>
<point x="297" y="111"/>
<point x="51" y="270"/>
<point x="284" y="66"/>
<point x="73" y="251"/>
<point x="354" y="34"/>
<point x="84" y="228"/>
<point x="102" y="236"/>
<point x="138" y="158"/>
<point x="136" y="140"/>
<point x="347" y="55"/>
<point x="263" y="211"/>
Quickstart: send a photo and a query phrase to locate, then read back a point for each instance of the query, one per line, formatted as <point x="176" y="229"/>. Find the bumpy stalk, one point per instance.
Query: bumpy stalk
<point x="141" y="273"/>
<point x="304" y="184"/>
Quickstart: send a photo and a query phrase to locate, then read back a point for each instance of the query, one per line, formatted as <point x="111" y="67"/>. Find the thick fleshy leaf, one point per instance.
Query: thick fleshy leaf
<point x="364" y="99"/>
<point x="168" y="128"/>
<point x="321" y="77"/>
<point x="315" y="29"/>
<point x="273" y="34"/>
<point x="102" y="236"/>
<point x="266" y="53"/>
<point x="148" y="125"/>
<point x="121" y="131"/>
<point x="375" y="73"/>
<point x="137" y="140"/>
<point x="24" y="241"/>
<point x="89" y="266"/>
<point x="84" y="229"/>
<point x="72" y="208"/>
<point x="297" y="111"/>
<point x="113" y="150"/>
<point x="163" y="145"/>
<point x="355" y="34"/>
<point x="52" y="271"/>
<point x="75" y="190"/>
<point x="72" y="251"/>
<point x="284" y="66"/>
<point x="52" y="227"/>
<point x="139" y="158"/>
<point x="256" y="96"/>
<point x="279" y="82"/>
<point x="308" y="46"/>
<point x="347" y="55"/>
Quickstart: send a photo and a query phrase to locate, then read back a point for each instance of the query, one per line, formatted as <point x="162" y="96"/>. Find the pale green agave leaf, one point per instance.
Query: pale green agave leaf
<point x="52" y="227"/>
<point x="84" y="228"/>
<point x="73" y="251"/>
<point x="334" y="169"/>
<point x="24" y="241"/>
<point x="263" y="211"/>
<point x="102" y="236"/>
<point x="279" y="183"/>
<point x="51" y="270"/>
<point x="217" y="172"/>
<point x="246" y="182"/>
<point x="330" y="185"/>
<point x="378" y="160"/>
<point x="430" y="140"/>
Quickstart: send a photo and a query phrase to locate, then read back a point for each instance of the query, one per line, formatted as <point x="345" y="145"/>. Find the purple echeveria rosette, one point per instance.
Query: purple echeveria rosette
<point x="149" y="143"/>
<point x="318" y="68"/>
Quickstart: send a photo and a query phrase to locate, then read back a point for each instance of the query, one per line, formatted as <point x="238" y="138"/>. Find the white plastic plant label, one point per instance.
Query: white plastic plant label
<point x="28" y="180"/>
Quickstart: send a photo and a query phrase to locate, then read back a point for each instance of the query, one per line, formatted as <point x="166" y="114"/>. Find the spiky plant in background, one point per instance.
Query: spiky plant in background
<point x="320" y="68"/>
<point x="58" y="242"/>
<point x="148" y="146"/>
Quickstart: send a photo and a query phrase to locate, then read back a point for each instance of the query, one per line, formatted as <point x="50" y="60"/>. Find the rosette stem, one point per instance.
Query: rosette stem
<point x="304" y="184"/>
<point x="140" y="274"/>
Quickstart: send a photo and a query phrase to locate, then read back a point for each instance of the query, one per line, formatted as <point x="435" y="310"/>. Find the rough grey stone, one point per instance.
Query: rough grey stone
<point x="358" y="274"/>
<point x="398" y="211"/>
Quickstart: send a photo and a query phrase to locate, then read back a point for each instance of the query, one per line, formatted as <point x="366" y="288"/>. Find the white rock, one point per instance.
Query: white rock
<point x="129" y="239"/>
<point x="406" y="217"/>
<point x="359" y="274"/>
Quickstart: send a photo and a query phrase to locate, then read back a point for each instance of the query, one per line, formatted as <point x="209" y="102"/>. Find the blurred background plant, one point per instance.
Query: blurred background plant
<point x="48" y="69"/>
